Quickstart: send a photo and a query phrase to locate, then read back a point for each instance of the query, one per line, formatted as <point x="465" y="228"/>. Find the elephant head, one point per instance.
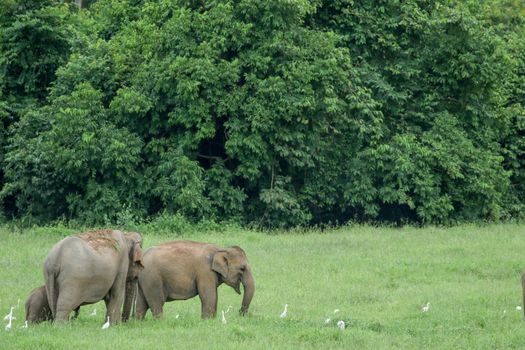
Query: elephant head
<point x="232" y="265"/>
<point x="134" y="243"/>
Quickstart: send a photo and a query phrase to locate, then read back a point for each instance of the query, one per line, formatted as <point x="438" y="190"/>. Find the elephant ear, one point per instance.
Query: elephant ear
<point x="137" y="254"/>
<point x="220" y="263"/>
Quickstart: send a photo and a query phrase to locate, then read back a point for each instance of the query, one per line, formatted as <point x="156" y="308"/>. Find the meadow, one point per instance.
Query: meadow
<point x="379" y="278"/>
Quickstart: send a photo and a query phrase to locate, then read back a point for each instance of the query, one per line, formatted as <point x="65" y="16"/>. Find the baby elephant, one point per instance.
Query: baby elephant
<point x="37" y="306"/>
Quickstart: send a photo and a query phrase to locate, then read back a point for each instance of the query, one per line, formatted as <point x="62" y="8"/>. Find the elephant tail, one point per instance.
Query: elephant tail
<point x="51" y="290"/>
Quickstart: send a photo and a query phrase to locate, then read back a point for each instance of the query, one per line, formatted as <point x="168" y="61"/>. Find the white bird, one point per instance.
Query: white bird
<point x="341" y="324"/>
<point x="106" y="325"/>
<point x="327" y="321"/>
<point x="223" y="319"/>
<point x="518" y="308"/>
<point x="8" y="326"/>
<point x="426" y="307"/>
<point x="25" y="324"/>
<point x="228" y="309"/>
<point x="285" y="311"/>
<point x="10" y="316"/>
<point x="94" y="313"/>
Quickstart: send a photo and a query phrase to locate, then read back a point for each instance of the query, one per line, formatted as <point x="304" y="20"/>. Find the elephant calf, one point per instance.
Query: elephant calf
<point x="37" y="306"/>
<point x="180" y="270"/>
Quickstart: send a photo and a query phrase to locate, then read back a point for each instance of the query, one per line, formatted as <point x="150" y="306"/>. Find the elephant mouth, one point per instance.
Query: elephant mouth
<point x="236" y="285"/>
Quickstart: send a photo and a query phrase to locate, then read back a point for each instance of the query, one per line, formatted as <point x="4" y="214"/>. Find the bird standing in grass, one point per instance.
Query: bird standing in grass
<point x="327" y="321"/>
<point x="25" y="324"/>
<point x="10" y="316"/>
<point x="341" y="324"/>
<point x="223" y="319"/>
<point x="94" y="313"/>
<point x="426" y="307"/>
<point x="285" y="311"/>
<point x="106" y="325"/>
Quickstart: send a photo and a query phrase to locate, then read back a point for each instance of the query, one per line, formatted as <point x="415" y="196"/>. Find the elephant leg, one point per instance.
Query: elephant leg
<point x="116" y="299"/>
<point x="153" y="292"/>
<point x="208" y="297"/>
<point x="142" y="306"/>
<point x="68" y="300"/>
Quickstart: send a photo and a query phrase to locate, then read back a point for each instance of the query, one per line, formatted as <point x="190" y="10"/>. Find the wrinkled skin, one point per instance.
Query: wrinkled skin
<point x="180" y="270"/>
<point x="79" y="271"/>
<point x="37" y="307"/>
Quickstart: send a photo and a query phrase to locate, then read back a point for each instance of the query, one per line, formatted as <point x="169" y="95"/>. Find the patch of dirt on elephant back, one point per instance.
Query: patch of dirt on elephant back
<point x="99" y="239"/>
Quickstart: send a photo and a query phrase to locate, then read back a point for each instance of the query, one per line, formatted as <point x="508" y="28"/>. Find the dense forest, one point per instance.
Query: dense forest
<point x="275" y="113"/>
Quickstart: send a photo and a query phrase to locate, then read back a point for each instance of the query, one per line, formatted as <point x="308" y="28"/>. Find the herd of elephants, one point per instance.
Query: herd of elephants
<point x="110" y="265"/>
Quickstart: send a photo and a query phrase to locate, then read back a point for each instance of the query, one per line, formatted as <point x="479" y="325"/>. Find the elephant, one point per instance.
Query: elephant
<point x="37" y="306"/>
<point x="92" y="266"/>
<point x="180" y="270"/>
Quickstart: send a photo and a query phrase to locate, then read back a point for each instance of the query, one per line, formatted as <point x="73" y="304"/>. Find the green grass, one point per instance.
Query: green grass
<point x="378" y="277"/>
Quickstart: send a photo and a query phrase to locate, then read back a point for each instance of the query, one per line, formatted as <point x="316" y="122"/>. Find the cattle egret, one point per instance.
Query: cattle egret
<point x="106" y="325"/>
<point x="327" y="321"/>
<point x="9" y="316"/>
<point x="518" y="308"/>
<point x="8" y="326"/>
<point x="285" y="311"/>
<point x="426" y="307"/>
<point x="25" y="324"/>
<point x="341" y="324"/>
<point x="228" y="309"/>
<point x="223" y="319"/>
<point x="94" y="313"/>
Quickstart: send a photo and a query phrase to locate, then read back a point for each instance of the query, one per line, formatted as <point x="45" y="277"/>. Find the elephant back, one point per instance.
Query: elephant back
<point x="100" y="239"/>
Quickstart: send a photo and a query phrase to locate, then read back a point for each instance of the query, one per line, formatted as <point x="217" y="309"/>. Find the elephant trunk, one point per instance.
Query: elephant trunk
<point x="248" y="284"/>
<point x="129" y="299"/>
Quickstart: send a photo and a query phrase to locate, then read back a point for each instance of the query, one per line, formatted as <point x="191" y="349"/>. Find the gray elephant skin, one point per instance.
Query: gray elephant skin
<point x="93" y="266"/>
<point x="180" y="270"/>
<point x="37" y="307"/>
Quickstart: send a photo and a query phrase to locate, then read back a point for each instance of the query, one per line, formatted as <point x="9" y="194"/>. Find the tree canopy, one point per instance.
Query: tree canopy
<point x="278" y="113"/>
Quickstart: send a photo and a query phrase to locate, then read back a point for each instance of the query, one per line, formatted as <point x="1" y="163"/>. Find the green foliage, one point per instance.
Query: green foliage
<point x="280" y="207"/>
<point x="68" y="160"/>
<point x="281" y="113"/>
<point x="34" y="42"/>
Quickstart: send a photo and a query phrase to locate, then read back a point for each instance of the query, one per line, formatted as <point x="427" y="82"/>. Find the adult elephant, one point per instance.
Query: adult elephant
<point x="93" y="266"/>
<point x="180" y="270"/>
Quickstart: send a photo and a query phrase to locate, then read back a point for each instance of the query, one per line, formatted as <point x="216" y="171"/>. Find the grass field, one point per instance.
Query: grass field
<point x="378" y="277"/>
